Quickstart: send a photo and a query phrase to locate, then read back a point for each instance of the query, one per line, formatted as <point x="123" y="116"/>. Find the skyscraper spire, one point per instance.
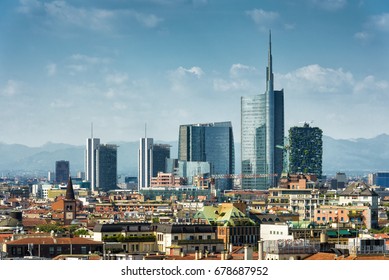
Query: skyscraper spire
<point x="269" y="74"/>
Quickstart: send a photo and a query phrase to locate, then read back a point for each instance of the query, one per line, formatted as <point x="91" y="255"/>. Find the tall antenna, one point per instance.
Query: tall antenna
<point x="91" y="130"/>
<point x="145" y="130"/>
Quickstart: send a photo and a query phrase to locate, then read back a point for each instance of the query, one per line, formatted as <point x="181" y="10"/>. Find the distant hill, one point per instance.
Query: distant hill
<point x="356" y="155"/>
<point x="353" y="156"/>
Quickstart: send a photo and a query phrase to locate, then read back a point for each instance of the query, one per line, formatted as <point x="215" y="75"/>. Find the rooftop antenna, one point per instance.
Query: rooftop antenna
<point x="145" y="130"/>
<point x="91" y="130"/>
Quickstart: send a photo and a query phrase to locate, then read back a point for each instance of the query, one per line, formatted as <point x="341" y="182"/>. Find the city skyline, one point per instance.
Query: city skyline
<point x="65" y="64"/>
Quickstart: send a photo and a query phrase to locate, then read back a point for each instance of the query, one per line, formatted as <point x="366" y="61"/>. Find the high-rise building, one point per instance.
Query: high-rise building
<point x="61" y="171"/>
<point x="161" y="152"/>
<point x="145" y="162"/>
<point x="209" y="142"/>
<point x="50" y="176"/>
<point x="92" y="144"/>
<point x="262" y="132"/>
<point x="305" y="150"/>
<point x="379" y="179"/>
<point x="106" y="168"/>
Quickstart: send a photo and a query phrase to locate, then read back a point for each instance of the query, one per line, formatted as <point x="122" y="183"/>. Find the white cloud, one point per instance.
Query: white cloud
<point x="119" y="106"/>
<point x="147" y="20"/>
<point x="238" y="69"/>
<point x="97" y="19"/>
<point x="260" y="16"/>
<point x="29" y="6"/>
<point x="314" y="78"/>
<point x="90" y="59"/>
<point x="380" y="22"/>
<point x="266" y="20"/>
<point x="81" y="63"/>
<point x="76" y="68"/>
<point x="370" y="83"/>
<point x="59" y="103"/>
<point x="182" y="79"/>
<point x="51" y="69"/>
<point x="12" y="88"/>
<point x="362" y="36"/>
<point x="240" y="79"/>
<point x="231" y="85"/>
<point x="116" y="78"/>
<point x="110" y="93"/>
<point x="61" y="12"/>
<point x="193" y="71"/>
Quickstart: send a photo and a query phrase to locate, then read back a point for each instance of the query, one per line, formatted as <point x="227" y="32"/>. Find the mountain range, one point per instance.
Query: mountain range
<point x="353" y="156"/>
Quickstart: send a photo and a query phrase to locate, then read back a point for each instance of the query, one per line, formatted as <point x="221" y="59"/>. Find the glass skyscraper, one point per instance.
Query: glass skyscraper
<point x="62" y="171"/>
<point x="262" y="130"/>
<point x="92" y="145"/>
<point x="161" y="152"/>
<point x="209" y="142"/>
<point x="106" y="169"/>
<point x="145" y="162"/>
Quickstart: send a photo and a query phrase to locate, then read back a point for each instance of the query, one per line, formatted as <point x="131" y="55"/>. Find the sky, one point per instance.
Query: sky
<point x="143" y="67"/>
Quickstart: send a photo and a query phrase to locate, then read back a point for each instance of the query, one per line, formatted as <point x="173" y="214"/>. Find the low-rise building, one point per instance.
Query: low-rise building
<point x="50" y="247"/>
<point x="176" y="239"/>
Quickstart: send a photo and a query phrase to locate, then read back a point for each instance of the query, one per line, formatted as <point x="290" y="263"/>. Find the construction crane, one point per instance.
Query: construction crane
<point x="285" y="155"/>
<point x="307" y="123"/>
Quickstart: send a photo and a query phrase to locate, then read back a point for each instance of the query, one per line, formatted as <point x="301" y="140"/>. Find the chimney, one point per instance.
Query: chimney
<point x="260" y="250"/>
<point x="248" y="252"/>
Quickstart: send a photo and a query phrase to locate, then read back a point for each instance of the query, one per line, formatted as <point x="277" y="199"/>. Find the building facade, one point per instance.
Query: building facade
<point x="106" y="169"/>
<point x="92" y="145"/>
<point x="145" y="162"/>
<point x="62" y="171"/>
<point x="305" y="150"/>
<point x="209" y="142"/>
<point x="161" y="152"/>
<point x="380" y="179"/>
<point x="262" y="132"/>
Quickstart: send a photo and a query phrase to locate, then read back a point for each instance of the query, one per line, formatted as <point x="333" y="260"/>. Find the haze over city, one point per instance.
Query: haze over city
<point x="121" y="64"/>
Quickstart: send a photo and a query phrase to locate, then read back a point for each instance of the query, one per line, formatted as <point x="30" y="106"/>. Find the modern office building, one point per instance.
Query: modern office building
<point x="305" y="150"/>
<point x="50" y="176"/>
<point x="379" y="179"/>
<point x="92" y="144"/>
<point x="161" y="152"/>
<point x="62" y="171"/>
<point x="145" y="162"/>
<point x="262" y="133"/>
<point x="106" y="168"/>
<point x="209" y="142"/>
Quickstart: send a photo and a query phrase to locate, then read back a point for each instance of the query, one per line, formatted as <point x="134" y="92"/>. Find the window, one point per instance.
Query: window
<point x="51" y="250"/>
<point x="83" y="250"/>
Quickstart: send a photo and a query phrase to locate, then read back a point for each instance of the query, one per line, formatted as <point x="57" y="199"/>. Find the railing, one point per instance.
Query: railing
<point x="198" y="241"/>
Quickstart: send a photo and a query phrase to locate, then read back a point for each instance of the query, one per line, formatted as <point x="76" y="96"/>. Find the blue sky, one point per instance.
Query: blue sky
<point x="121" y="64"/>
